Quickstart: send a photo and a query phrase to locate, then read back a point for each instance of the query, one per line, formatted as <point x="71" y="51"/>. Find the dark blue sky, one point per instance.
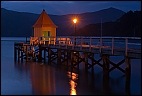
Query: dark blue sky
<point x="69" y="7"/>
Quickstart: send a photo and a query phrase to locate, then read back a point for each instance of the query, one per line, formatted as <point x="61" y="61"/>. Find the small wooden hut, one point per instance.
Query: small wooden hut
<point x="44" y="26"/>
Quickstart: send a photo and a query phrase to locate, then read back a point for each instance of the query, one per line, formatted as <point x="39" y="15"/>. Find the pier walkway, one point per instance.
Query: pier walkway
<point x="71" y="51"/>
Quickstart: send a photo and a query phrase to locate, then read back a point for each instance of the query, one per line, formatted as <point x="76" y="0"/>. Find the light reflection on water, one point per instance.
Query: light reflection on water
<point x="42" y="77"/>
<point x="73" y="77"/>
<point x="43" y="80"/>
<point x="33" y="78"/>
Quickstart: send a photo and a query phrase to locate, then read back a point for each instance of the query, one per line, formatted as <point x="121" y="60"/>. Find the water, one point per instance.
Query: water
<point x="34" y="78"/>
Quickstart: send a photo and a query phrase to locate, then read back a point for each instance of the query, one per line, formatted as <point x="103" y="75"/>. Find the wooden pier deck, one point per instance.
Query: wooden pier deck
<point x="69" y="50"/>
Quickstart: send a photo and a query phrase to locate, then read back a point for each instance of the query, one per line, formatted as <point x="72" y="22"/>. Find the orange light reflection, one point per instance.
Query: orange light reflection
<point x="73" y="77"/>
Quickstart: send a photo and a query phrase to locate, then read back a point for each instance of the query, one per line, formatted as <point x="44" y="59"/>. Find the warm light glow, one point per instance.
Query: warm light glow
<point x="75" y="20"/>
<point x="73" y="89"/>
<point x="73" y="77"/>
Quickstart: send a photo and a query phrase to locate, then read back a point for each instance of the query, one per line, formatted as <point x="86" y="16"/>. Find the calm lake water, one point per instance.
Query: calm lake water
<point x="33" y="78"/>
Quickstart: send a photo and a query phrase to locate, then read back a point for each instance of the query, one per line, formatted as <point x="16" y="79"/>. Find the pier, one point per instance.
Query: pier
<point x="71" y="51"/>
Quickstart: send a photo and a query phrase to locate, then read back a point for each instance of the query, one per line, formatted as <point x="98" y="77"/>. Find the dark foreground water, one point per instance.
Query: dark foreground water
<point x="34" y="78"/>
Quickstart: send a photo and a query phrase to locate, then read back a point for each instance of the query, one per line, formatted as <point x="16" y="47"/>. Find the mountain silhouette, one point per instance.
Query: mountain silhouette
<point x="20" y="23"/>
<point x="128" y="25"/>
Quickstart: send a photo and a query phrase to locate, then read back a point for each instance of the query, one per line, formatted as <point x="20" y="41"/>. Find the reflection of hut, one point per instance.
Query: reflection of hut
<point x="42" y="79"/>
<point x="44" y="27"/>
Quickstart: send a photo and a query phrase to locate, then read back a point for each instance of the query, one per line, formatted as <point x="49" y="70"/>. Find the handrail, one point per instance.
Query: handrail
<point x="79" y="40"/>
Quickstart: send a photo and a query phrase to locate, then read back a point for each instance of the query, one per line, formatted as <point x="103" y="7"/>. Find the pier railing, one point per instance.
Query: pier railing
<point x="127" y="44"/>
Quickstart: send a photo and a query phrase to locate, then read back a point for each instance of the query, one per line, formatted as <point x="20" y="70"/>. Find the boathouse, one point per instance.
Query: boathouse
<point x="44" y="26"/>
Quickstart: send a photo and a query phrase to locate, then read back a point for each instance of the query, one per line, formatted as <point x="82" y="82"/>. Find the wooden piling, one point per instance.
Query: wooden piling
<point x="77" y="59"/>
<point x="92" y="60"/>
<point x="126" y="46"/>
<point x="65" y="56"/>
<point x="18" y="54"/>
<point x="112" y="46"/>
<point x="106" y="87"/>
<point x="128" y="78"/>
<point x="40" y="54"/>
<point x="49" y="55"/>
<point x="44" y="55"/>
<point x="15" y="53"/>
<point x="106" y="65"/>
<point x="86" y="61"/>
<point x="128" y="75"/>
<point x="21" y="55"/>
<point x="59" y="56"/>
<point x="128" y="65"/>
<point x="72" y="58"/>
<point x="26" y="53"/>
<point x="68" y="57"/>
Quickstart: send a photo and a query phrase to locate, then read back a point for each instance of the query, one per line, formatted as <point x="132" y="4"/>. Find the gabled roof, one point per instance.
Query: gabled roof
<point x="44" y="21"/>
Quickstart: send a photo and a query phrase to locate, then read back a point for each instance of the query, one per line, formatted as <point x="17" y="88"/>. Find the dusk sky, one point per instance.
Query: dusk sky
<point x="69" y="7"/>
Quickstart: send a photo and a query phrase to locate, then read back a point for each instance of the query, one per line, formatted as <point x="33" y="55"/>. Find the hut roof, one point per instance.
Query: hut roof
<point x="44" y="21"/>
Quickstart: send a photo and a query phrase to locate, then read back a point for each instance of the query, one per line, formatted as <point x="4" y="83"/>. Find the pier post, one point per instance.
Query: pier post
<point x="86" y="61"/>
<point x="54" y="41"/>
<point x="90" y="44"/>
<point x="26" y="53"/>
<point x="101" y="45"/>
<point x="128" y="76"/>
<point x="67" y="57"/>
<point x="18" y="53"/>
<point x="72" y="59"/>
<point x="44" y="55"/>
<point x="69" y="54"/>
<point x="21" y="55"/>
<point x="49" y="55"/>
<point x="59" y="56"/>
<point x="40" y="53"/>
<point x="128" y="66"/>
<point x="106" y="66"/>
<point x="15" y="52"/>
<point x="126" y="46"/>
<point x="59" y="42"/>
<point x="106" y="87"/>
<point x="92" y="59"/>
<point x="77" y="60"/>
<point x="127" y="83"/>
<point x="73" y="43"/>
<point x="112" y="47"/>
<point x="66" y="42"/>
<point x="81" y="43"/>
